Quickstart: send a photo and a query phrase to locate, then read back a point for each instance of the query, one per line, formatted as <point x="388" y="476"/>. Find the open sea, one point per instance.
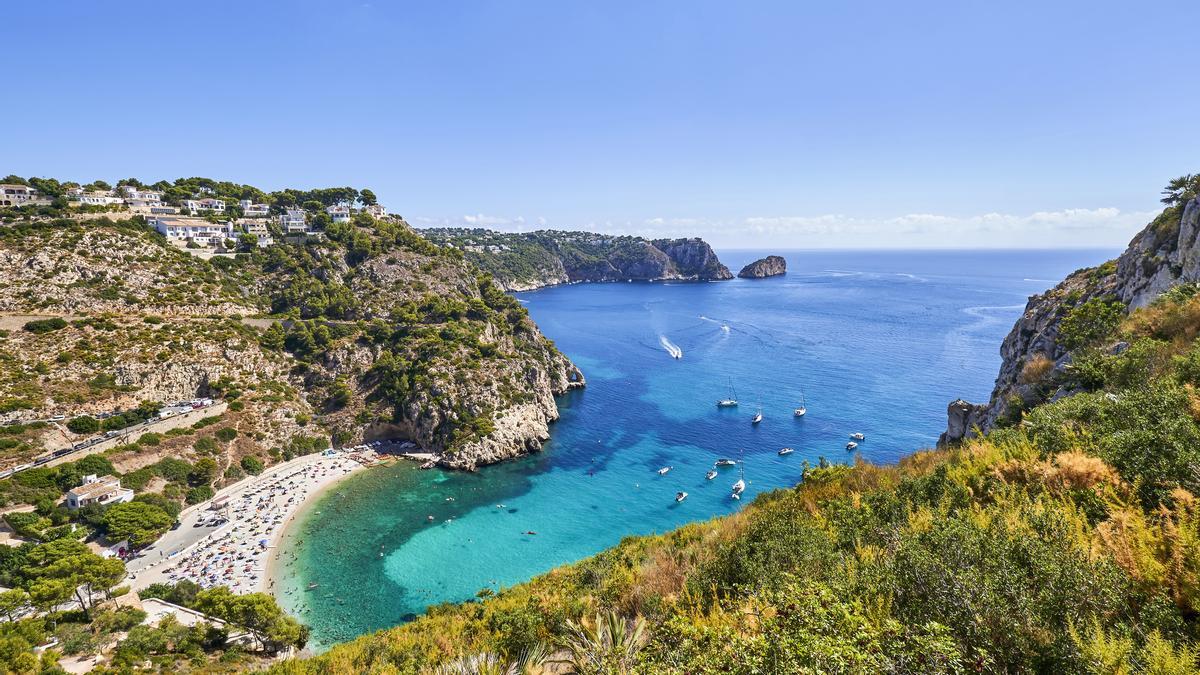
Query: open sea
<point x="875" y="342"/>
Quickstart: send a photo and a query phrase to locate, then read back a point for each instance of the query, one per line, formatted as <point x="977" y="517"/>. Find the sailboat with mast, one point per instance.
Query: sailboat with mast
<point x="729" y="401"/>
<point x="802" y="410"/>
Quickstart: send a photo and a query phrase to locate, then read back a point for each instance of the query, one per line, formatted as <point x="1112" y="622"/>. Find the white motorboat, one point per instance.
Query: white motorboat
<point x="724" y="462"/>
<point x="786" y="451"/>
<point x="680" y="496"/>
<point x="851" y="445"/>
<point x="757" y="417"/>
<point x="738" y="488"/>
<point x="712" y="473"/>
<point x="858" y="437"/>
<point x="663" y="471"/>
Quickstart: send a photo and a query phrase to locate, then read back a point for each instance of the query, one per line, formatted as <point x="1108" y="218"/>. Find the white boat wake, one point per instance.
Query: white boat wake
<point x="672" y="349"/>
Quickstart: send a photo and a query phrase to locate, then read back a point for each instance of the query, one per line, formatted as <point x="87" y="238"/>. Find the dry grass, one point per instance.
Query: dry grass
<point x="1065" y="472"/>
<point x="1036" y="369"/>
<point x="1169" y="321"/>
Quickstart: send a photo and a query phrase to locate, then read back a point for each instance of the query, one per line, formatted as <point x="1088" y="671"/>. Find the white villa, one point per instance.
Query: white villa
<point x="100" y="198"/>
<point x="195" y="229"/>
<point x="17" y="195"/>
<point x="138" y="198"/>
<point x="340" y="213"/>
<point x="293" y="221"/>
<point x="259" y="229"/>
<point x="206" y="204"/>
<point x="250" y="209"/>
<point x="376" y="210"/>
<point x="98" y="490"/>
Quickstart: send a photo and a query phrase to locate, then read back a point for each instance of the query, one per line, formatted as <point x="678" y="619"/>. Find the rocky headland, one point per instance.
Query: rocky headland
<point x="1037" y="355"/>
<point x="527" y="261"/>
<point x="770" y="266"/>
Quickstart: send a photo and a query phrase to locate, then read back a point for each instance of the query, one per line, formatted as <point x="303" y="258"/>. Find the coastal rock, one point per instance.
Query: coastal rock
<point x="1164" y="254"/>
<point x="770" y="266"/>
<point x="964" y="419"/>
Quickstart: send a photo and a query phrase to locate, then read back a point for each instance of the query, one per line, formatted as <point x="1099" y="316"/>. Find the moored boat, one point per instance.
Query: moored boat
<point x="786" y="451"/>
<point x="663" y="471"/>
<point x="712" y="473"/>
<point x="851" y="445"/>
<point x="724" y="462"/>
<point x="858" y="436"/>
<point x="680" y="496"/>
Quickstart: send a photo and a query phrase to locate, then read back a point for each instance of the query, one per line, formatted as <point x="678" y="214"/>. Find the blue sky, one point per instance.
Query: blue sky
<point x="752" y="124"/>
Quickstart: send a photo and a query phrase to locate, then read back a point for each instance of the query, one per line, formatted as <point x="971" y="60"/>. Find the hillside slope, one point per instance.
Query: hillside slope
<point x="525" y="261"/>
<point x="375" y="333"/>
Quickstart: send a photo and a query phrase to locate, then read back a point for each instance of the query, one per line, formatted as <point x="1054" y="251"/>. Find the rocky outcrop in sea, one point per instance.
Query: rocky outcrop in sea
<point x="770" y="266"/>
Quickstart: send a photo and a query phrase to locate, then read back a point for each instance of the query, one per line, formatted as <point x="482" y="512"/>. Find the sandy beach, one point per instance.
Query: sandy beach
<point x="249" y="525"/>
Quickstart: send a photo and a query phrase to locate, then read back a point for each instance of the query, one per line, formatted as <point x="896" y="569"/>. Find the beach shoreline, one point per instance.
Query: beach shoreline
<point x="271" y="570"/>
<point x="232" y="529"/>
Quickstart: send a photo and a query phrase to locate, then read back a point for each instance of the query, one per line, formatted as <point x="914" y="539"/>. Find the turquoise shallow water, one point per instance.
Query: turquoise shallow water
<point x="877" y="342"/>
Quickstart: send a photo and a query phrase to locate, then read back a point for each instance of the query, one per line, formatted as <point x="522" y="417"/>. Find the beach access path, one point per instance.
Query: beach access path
<point x="228" y="530"/>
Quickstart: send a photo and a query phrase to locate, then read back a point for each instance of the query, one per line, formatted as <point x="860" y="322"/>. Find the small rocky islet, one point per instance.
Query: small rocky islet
<point x="770" y="266"/>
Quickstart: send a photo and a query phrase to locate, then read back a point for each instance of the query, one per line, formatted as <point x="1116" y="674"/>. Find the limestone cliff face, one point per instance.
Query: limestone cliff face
<point x="770" y="266"/>
<point x="1162" y="255"/>
<point x="527" y="261"/>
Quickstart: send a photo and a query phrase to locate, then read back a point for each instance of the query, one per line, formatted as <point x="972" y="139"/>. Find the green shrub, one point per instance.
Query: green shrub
<point x="45" y="325"/>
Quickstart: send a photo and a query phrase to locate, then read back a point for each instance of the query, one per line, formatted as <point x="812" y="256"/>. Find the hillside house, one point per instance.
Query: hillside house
<point x="340" y="213"/>
<point x="197" y="230"/>
<point x="207" y="204"/>
<point x="98" y="490"/>
<point x="376" y="210"/>
<point x="252" y="210"/>
<point x="17" y="195"/>
<point x="100" y="199"/>
<point x="293" y="221"/>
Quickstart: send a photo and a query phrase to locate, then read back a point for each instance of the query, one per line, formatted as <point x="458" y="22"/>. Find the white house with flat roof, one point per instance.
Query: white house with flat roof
<point x="197" y="230"/>
<point x="340" y="213"/>
<point x="100" y="199"/>
<point x="206" y="204"/>
<point x="17" y="195"/>
<point x="293" y="221"/>
<point x="251" y="210"/>
<point x="98" y="490"/>
<point x="376" y="210"/>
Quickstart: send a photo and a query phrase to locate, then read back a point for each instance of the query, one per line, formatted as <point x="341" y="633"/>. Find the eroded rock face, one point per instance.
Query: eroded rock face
<point x="964" y="421"/>
<point x="1162" y="255"/>
<point x="770" y="266"/>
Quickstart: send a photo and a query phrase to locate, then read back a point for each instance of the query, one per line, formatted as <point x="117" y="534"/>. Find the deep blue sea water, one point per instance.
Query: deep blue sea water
<point x="877" y="342"/>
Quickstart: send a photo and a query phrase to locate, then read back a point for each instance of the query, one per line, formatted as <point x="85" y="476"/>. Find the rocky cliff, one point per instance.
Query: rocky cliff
<point x="1036" y="355"/>
<point x="525" y="261"/>
<point x="370" y="332"/>
<point x="770" y="266"/>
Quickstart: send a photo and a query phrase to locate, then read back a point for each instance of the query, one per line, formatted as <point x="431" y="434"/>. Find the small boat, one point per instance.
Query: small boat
<point x="801" y="410"/>
<point x="786" y="451"/>
<point x="851" y="445"/>
<point x="313" y="586"/>
<point x="663" y="471"/>
<point x="712" y="473"/>
<point x="724" y="462"/>
<point x="858" y="437"/>
<point x="757" y="417"/>
<point x="738" y="488"/>
<point x="729" y="401"/>
<point x="680" y="496"/>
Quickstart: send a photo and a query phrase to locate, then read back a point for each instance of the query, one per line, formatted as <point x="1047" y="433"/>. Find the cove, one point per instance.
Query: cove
<point x="878" y="342"/>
